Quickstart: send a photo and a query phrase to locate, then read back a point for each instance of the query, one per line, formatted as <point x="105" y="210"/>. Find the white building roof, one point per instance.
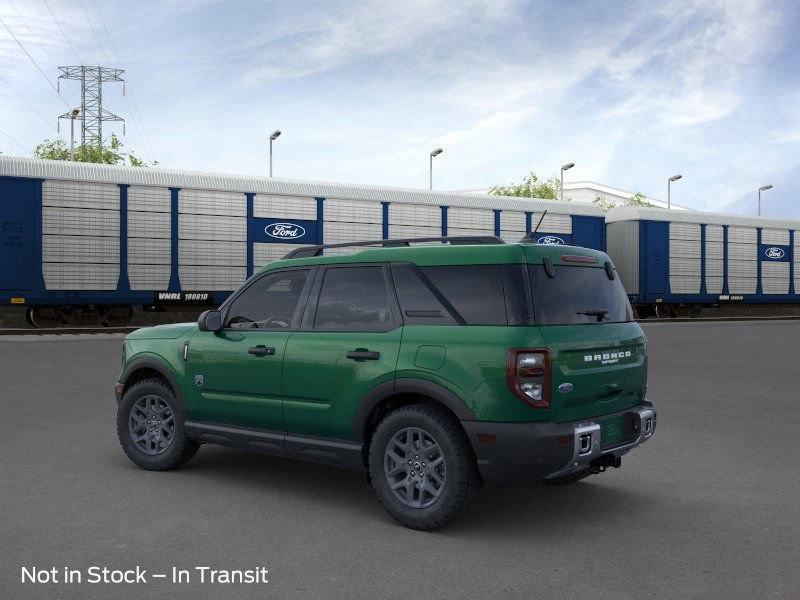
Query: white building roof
<point x="635" y="213"/>
<point x="155" y="176"/>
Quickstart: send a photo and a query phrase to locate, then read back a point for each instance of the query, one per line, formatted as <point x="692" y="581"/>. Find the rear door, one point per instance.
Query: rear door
<point x="18" y="200"/>
<point x="235" y="375"/>
<point x="348" y="344"/>
<point x="597" y="351"/>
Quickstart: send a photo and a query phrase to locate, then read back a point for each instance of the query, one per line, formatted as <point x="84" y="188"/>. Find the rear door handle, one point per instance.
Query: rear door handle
<point x="261" y="350"/>
<point x="363" y="355"/>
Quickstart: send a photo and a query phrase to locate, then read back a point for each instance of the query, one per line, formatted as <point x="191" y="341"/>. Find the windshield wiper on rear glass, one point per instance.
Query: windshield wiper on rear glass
<point x="594" y="312"/>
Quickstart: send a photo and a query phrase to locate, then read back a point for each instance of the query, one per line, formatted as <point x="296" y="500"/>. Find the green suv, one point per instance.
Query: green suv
<point x="432" y="367"/>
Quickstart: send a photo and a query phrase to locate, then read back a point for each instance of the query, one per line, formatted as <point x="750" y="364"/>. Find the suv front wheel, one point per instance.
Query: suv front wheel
<point x="150" y="427"/>
<point x="422" y="467"/>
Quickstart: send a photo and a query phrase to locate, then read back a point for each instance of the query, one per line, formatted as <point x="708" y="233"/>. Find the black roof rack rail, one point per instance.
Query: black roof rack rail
<point x="310" y="251"/>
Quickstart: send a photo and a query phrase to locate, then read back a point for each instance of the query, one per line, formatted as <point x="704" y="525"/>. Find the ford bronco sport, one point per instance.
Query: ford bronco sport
<point x="433" y="368"/>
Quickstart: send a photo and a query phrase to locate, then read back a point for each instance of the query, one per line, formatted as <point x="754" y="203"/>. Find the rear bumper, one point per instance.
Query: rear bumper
<point x="510" y="453"/>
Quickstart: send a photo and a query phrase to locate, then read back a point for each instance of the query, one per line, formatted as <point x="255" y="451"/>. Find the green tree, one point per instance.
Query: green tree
<point x="110" y="154"/>
<point x="530" y="187"/>
<point x="606" y="203"/>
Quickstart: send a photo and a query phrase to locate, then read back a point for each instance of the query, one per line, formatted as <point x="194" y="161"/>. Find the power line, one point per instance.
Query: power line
<point x="16" y="142"/>
<point x="35" y="64"/>
<point x="66" y="39"/>
<point x="134" y="113"/>
<point x="32" y="107"/>
<point x="33" y="36"/>
<point x="94" y="33"/>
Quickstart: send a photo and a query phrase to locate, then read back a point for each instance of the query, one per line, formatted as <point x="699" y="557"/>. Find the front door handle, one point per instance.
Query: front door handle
<point x="261" y="350"/>
<point x="363" y="355"/>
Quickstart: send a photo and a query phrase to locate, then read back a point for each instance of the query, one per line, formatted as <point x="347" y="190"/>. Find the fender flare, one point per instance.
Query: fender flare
<point x="407" y="385"/>
<point x="148" y="362"/>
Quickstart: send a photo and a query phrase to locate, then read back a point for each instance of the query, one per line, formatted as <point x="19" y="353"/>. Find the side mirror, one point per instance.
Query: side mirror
<point x="210" y="320"/>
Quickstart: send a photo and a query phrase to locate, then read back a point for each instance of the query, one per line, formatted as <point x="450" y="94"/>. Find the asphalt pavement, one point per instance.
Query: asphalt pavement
<point x="710" y="508"/>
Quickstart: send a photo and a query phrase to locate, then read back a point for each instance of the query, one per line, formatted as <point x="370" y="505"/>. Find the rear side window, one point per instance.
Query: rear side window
<point x="475" y="291"/>
<point x="353" y="299"/>
<point x="578" y="295"/>
<point x="420" y="302"/>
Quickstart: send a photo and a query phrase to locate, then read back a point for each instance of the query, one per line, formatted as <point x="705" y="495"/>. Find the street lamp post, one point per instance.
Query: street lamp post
<point x="669" y="183"/>
<point x="435" y="152"/>
<point x="72" y="116"/>
<point x="565" y="167"/>
<point x="763" y="188"/>
<point x="272" y="138"/>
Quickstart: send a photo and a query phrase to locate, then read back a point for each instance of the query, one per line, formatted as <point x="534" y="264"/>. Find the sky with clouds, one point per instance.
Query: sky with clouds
<point x="632" y="92"/>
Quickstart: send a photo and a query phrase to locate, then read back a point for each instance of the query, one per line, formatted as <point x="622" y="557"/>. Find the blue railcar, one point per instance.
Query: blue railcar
<point x="85" y="242"/>
<point x="674" y="262"/>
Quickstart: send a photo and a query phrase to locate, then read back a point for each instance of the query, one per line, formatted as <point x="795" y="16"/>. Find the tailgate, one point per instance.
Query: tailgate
<point x="597" y="369"/>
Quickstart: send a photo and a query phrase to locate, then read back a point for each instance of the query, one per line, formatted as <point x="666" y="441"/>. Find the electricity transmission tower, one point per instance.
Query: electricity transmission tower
<point x="92" y="114"/>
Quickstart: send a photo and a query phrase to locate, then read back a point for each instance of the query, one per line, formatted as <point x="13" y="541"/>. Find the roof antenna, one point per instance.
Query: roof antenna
<point x="535" y="229"/>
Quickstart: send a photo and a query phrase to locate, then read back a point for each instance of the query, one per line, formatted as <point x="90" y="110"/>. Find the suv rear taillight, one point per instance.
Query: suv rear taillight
<point x="528" y="376"/>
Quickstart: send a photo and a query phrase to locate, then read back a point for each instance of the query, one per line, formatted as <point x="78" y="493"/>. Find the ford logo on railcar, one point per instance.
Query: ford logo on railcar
<point x="551" y="240"/>
<point x="774" y="253"/>
<point x="285" y="231"/>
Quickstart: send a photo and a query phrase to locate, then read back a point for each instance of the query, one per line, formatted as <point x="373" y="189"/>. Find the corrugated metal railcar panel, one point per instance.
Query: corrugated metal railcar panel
<point x="715" y="233"/>
<point x="149" y="251"/>
<point x="149" y="199"/>
<point x="511" y="236"/>
<point x="80" y="248"/>
<point x="77" y="221"/>
<point x="684" y="248"/>
<point x="715" y="249"/>
<point x="714" y="285"/>
<point x="715" y="267"/>
<point x="213" y="279"/>
<point x="457" y="231"/>
<point x="265" y="253"/>
<point x="413" y="231"/>
<point x="685" y="284"/>
<point x="684" y="266"/>
<point x="80" y="194"/>
<point x="775" y="277"/>
<point x="470" y="218"/>
<point x="743" y="252"/>
<point x="80" y="276"/>
<point x="741" y="285"/>
<point x="623" y="248"/>
<point x="338" y="233"/>
<point x="775" y="236"/>
<point x="796" y="253"/>
<point x="149" y="277"/>
<point x="513" y="220"/>
<point x="206" y="202"/>
<point x="284" y="207"/>
<point x="552" y="223"/>
<point x="210" y="227"/>
<point x="742" y="268"/>
<point x="203" y="252"/>
<point x="352" y="211"/>
<point x="742" y="235"/>
<point x="684" y="231"/>
<point x="148" y="225"/>
<point x="415" y="214"/>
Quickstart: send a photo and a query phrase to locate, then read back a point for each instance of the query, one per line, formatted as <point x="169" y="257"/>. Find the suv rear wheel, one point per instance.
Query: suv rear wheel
<point x="150" y="427"/>
<point x="422" y="467"/>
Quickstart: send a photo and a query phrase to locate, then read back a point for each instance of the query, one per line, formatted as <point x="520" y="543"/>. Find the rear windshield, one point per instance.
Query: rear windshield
<point x="578" y="295"/>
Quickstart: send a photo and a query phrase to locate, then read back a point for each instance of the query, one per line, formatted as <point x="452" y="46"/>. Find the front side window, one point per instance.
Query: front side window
<point x="353" y="299"/>
<point x="269" y="302"/>
<point x="578" y="295"/>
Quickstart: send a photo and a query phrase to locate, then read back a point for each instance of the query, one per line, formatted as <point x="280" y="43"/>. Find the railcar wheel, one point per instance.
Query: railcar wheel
<point x="118" y="316"/>
<point x="45" y="317"/>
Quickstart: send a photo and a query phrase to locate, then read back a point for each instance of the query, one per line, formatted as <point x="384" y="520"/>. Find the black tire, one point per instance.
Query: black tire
<point x="568" y="479"/>
<point x="177" y="450"/>
<point x="461" y="480"/>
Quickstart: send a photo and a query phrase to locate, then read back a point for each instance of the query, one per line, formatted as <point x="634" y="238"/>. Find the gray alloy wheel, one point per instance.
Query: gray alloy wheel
<point x="151" y="424"/>
<point x="413" y="464"/>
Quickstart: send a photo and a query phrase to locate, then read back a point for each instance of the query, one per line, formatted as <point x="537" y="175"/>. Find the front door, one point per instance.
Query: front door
<point x="234" y="376"/>
<point x="348" y="344"/>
